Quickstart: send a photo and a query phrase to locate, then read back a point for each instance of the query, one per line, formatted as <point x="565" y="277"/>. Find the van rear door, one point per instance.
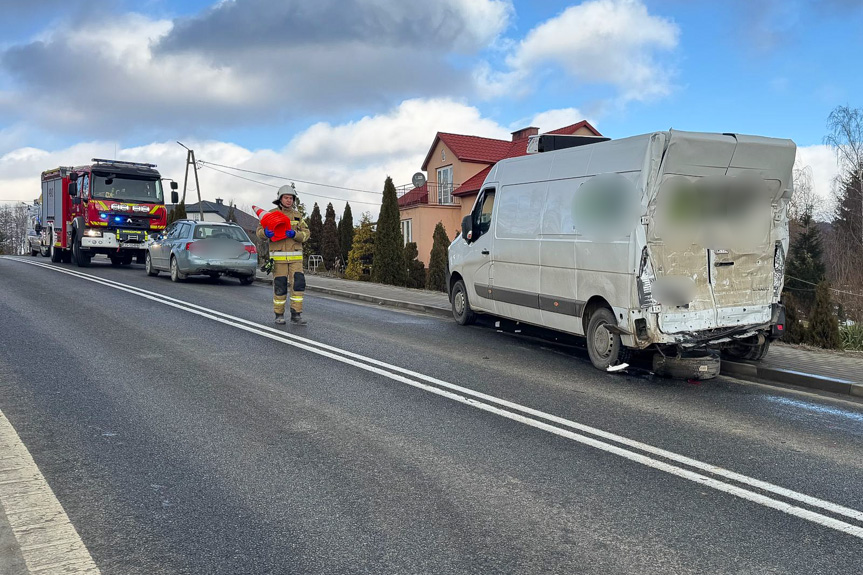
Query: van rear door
<point x="712" y="233"/>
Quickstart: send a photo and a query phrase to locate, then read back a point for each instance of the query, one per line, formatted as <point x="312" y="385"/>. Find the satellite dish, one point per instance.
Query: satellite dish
<point x="419" y="180"/>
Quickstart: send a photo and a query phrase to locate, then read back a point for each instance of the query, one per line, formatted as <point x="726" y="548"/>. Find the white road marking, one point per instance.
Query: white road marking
<point x="47" y="539"/>
<point x="470" y="397"/>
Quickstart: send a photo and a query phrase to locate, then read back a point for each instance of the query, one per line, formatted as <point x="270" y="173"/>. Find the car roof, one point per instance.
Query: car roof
<point x="199" y="222"/>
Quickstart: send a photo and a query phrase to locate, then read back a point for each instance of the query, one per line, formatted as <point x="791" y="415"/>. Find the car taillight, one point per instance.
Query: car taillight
<point x="252" y="249"/>
<point x="192" y="247"/>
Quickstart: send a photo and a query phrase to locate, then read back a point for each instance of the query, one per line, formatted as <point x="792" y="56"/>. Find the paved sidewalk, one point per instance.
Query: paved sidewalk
<point x="825" y="370"/>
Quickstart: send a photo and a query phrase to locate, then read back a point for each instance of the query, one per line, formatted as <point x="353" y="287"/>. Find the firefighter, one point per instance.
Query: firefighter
<point x="288" y="257"/>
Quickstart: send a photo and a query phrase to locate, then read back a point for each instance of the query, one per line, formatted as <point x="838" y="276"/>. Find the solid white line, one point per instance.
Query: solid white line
<point x="38" y="542"/>
<point x="369" y="364"/>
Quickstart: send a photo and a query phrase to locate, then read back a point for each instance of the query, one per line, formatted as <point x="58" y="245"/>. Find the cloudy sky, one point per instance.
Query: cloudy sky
<point x="346" y="92"/>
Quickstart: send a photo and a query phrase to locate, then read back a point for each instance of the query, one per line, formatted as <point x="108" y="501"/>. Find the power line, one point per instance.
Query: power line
<point x="210" y="166"/>
<point x="814" y="284"/>
<point x="290" y="179"/>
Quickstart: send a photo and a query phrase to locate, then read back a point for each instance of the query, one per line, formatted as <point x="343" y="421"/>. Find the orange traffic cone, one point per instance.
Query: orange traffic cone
<point x="276" y="221"/>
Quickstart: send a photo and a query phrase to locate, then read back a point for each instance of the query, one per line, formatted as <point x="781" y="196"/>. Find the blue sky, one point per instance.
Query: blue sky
<point x="346" y="92"/>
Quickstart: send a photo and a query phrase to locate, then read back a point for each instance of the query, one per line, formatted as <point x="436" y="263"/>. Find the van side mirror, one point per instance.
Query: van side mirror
<point x="73" y="189"/>
<point x="175" y="197"/>
<point x="467" y="228"/>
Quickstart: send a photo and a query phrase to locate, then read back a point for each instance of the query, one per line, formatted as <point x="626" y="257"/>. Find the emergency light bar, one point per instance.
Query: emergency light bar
<point x="122" y="163"/>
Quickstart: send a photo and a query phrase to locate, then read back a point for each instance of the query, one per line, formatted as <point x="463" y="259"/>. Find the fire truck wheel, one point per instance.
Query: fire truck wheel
<point x="82" y="258"/>
<point x="176" y="275"/>
<point x="66" y="256"/>
<point x="56" y="254"/>
<point x="141" y="258"/>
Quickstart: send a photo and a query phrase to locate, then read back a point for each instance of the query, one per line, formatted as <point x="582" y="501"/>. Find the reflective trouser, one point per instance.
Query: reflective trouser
<point x="285" y="273"/>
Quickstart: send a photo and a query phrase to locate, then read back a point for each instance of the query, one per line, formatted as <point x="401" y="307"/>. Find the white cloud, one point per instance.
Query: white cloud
<point x="554" y="119"/>
<point x="358" y="154"/>
<point x="599" y="42"/>
<point x="241" y="63"/>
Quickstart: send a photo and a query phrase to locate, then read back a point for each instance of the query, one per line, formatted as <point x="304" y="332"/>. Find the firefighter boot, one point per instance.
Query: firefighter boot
<point x="280" y="318"/>
<point x="297" y="318"/>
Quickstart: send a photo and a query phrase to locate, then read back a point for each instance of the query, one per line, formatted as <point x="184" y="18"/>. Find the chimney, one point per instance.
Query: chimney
<point x="219" y="201"/>
<point x="524" y="133"/>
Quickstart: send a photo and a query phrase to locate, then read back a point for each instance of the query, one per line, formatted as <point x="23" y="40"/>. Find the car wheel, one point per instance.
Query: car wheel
<point x="148" y="266"/>
<point x="699" y="365"/>
<point x="461" y="306"/>
<point x="34" y="253"/>
<point x="603" y="346"/>
<point x="176" y="274"/>
<point x="247" y="280"/>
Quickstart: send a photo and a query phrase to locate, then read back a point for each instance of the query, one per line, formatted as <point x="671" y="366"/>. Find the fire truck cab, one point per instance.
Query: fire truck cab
<point x="109" y="207"/>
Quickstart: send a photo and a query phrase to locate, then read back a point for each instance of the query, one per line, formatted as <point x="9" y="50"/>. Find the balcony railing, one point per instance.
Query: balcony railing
<point x="431" y="193"/>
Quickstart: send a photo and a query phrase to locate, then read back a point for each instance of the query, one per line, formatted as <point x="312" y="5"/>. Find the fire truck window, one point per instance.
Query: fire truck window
<point x="85" y="186"/>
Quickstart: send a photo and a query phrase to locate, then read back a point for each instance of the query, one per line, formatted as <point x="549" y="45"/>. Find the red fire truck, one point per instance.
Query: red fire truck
<point x="108" y="207"/>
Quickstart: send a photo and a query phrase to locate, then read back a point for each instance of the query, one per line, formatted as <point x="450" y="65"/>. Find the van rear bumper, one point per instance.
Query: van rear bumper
<point x="728" y="324"/>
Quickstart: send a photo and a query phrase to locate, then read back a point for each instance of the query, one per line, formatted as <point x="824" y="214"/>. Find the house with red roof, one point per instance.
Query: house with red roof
<point x="457" y="165"/>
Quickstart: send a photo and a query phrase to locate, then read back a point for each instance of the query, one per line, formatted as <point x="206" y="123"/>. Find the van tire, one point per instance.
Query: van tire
<point x="700" y="365"/>
<point x="745" y="351"/>
<point x="604" y="347"/>
<point x="461" y="306"/>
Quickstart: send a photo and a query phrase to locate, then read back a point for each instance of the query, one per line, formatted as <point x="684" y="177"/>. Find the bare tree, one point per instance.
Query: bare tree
<point x="14" y="220"/>
<point x="846" y="137"/>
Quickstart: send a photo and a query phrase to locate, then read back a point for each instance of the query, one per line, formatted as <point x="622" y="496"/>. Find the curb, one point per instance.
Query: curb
<point x="383" y="301"/>
<point x="790" y="377"/>
<point x="741" y="370"/>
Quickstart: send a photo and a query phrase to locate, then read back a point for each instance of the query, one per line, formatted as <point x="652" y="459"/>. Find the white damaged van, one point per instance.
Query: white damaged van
<point x="673" y="241"/>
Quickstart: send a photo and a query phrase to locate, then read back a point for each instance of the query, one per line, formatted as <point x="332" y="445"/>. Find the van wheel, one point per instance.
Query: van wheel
<point x="751" y="350"/>
<point x="461" y="306"/>
<point x="699" y="365"/>
<point x="604" y="347"/>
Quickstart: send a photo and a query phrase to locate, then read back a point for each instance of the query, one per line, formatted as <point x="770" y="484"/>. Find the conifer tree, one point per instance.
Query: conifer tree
<point x="805" y="267"/>
<point x="795" y="331"/>
<point x="346" y="232"/>
<point x="232" y="215"/>
<point x="362" y="253"/>
<point x="416" y="270"/>
<point x="438" y="259"/>
<point x="388" y="267"/>
<point x="823" y="326"/>
<point x="316" y="231"/>
<point x="330" y="249"/>
<point x="178" y="213"/>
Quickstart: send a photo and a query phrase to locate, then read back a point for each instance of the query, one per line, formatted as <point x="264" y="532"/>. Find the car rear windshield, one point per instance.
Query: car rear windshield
<point x="205" y="232"/>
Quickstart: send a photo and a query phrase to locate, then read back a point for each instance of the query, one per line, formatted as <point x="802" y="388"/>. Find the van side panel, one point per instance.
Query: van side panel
<point x="517" y="247"/>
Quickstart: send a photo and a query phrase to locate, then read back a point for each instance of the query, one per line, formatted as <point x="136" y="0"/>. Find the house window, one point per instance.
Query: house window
<point x="444" y="185"/>
<point x="407" y="231"/>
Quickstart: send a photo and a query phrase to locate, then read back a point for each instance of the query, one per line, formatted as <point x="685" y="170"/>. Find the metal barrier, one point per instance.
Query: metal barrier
<point x="314" y="262"/>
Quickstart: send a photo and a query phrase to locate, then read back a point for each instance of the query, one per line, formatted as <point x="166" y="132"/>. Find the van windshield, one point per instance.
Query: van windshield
<point x="123" y="188"/>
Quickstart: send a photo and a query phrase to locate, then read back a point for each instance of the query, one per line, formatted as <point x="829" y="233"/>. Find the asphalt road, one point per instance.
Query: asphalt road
<point x="207" y="441"/>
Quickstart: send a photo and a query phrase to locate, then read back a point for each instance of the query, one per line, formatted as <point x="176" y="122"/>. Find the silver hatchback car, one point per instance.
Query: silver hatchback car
<point x="190" y="247"/>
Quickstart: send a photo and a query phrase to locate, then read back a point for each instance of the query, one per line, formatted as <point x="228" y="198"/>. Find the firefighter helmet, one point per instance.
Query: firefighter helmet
<point x="287" y="191"/>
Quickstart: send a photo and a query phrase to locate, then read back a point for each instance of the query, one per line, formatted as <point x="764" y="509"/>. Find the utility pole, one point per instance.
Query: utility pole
<point x="190" y="159"/>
